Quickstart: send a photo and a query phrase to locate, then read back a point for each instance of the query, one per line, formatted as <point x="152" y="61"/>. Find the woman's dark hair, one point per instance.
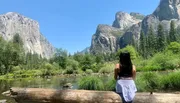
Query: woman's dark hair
<point x="125" y="64"/>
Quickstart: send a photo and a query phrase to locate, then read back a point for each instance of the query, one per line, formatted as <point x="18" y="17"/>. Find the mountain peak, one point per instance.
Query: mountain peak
<point x="13" y="23"/>
<point x="168" y="9"/>
<point x="124" y="20"/>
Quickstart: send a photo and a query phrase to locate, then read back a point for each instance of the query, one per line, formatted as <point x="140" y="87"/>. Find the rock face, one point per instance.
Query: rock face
<point x="168" y="9"/>
<point x="28" y="29"/>
<point x="131" y="24"/>
<point x="105" y="39"/>
<point x="124" y="20"/>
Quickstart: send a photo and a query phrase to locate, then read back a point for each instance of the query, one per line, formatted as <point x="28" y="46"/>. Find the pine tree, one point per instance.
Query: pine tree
<point x="172" y="32"/>
<point x="142" y="45"/>
<point x="151" y="42"/>
<point x="161" y="40"/>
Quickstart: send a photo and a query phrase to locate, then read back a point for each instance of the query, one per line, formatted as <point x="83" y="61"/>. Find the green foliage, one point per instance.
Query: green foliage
<point x="152" y="81"/>
<point x="89" y="71"/>
<point x="47" y="69"/>
<point x="140" y="83"/>
<point x="87" y="62"/>
<point x="142" y="45"/>
<point x="107" y="68"/>
<point x="73" y="63"/>
<point x="91" y="83"/>
<point x="61" y="58"/>
<point x="174" y="47"/>
<point x="172" y="32"/>
<point x="151" y="42"/>
<point x="69" y="70"/>
<point x="171" y="81"/>
<point x="17" y="39"/>
<point x="129" y="49"/>
<point x="110" y="85"/>
<point x="161" y="39"/>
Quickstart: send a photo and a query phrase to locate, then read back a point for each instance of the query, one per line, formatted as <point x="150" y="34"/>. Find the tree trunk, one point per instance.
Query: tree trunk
<point x="40" y="95"/>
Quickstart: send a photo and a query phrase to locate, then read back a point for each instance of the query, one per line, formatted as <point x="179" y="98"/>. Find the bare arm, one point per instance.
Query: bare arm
<point x="116" y="71"/>
<point x="134" y="72"/>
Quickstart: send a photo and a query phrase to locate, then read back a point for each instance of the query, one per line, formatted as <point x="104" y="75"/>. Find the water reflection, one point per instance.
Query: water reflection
<point x="55" y="82"/>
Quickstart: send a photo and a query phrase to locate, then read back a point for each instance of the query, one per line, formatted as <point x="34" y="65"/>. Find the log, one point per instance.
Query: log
<point x="40" y="95"/>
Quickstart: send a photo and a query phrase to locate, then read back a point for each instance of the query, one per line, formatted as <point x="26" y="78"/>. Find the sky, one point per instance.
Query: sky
<point x="70" y="24"/>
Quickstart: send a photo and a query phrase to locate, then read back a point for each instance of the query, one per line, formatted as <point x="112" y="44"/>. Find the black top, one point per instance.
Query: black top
<point x="125" y="72"/>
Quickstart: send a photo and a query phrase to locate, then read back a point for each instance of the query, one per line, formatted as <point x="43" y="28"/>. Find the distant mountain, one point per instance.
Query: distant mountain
<point x="13" y="23"/>
<point x="86" y="50"/>
<point x="126" y="27"/>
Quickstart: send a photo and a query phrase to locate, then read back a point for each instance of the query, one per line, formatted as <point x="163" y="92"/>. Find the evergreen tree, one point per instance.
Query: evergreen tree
<point x="142" y="45"/>
<point x="172" y="32"/>
<point x="161" y="39"/>
<point x="151" y="42"/>
<point x="178" y="34"/>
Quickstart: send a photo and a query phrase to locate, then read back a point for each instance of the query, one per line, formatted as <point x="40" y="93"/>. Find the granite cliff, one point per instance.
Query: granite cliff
<point x="106" y="39"/>
<point x="33" y="41"/>
<point x="130" y="25"/>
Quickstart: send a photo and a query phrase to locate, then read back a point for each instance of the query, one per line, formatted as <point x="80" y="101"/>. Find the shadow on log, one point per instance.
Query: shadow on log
<point x="40" y="95"/>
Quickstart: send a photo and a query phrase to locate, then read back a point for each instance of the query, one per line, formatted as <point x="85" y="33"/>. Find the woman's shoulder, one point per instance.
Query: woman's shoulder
<point x="134" y="67"/>
<point x="117" y="66"/>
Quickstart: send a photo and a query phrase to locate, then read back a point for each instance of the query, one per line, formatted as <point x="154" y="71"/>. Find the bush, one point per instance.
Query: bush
<point x="140" y="83"/>
<point x="171" y="81"/>
<point x="110" y="85"/>
<point x="152" y="81"/>
<point x="174" y="47"/>
<point x="69" y="70"/>
<point x="91" y="83"/>
<point x="89" y="71"/>
<point x="73" y="63"/>
<point x="129" y="49"/>
<point x="164" y="61"/>
<point x="107" y="68"/>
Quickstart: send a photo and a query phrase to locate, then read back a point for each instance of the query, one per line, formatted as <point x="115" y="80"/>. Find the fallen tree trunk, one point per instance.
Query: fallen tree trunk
<point x="40" y="95"/>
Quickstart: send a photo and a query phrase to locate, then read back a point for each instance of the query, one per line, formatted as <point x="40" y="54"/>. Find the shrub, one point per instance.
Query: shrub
<point x="129" y="49"/>
<point x="110" y="85"/>
<point x="140" y="83"/>
<point x="73" y="63"/>
<point x="91" y="83"/>
<point x="69" y="70"/>
<point x="152" y="81"/>
<point x="107" y="68"/>
<point x="89" y="71"/>
<point x="171" y="81"/>
<point x="174" y="47"/>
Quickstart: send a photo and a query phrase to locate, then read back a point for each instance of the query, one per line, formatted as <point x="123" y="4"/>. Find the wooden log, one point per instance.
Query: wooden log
<point x="40" y="95"/>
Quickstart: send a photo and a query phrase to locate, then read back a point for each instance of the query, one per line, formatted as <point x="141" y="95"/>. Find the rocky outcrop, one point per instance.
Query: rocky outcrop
<point x="131" y="34"/>
<point x="28" y="29"/>
<point x="105" y="39"/>
<point x="124" y="20"/>
<point x="131" y="24"/>
<point x="40" y="95"/>
<point x="137" y="15"/>
<point x="168" y="9"/>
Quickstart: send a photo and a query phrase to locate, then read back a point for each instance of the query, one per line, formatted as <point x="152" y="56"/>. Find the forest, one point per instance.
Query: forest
<point x="156" y="57"/>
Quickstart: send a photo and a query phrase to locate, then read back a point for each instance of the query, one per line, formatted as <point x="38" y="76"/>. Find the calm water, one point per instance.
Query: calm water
<point x="55" y="82"/>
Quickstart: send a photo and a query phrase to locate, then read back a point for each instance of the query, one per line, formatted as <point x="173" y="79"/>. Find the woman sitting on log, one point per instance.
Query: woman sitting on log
<point x="125" y="74"/>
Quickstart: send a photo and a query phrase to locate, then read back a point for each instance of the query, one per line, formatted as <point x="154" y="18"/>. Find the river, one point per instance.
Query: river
<point x="55" y="82"/>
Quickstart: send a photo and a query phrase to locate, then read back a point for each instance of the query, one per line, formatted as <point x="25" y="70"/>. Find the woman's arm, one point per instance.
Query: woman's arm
<point x="134" y="72"/>
<point x="116" y="71"/>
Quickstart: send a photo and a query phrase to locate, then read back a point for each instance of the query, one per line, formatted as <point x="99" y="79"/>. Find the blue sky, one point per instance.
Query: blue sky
<point x="70" y="24"/>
